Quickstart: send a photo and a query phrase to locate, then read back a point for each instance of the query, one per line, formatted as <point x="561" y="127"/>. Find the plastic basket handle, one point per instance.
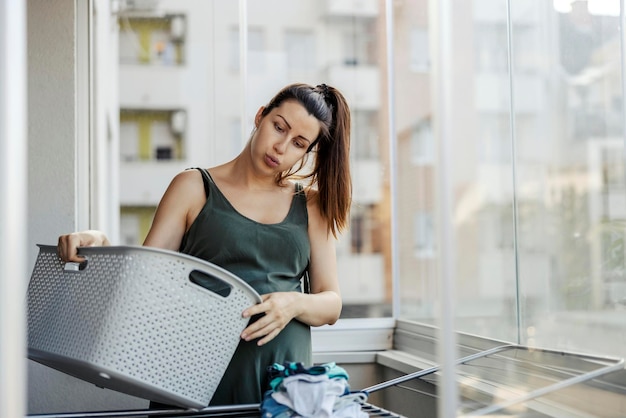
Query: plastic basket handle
<point x="210" y="282"/>
<point x="76" y="265"/>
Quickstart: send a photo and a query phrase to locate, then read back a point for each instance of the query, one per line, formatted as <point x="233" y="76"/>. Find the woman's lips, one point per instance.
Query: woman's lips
<point x="271" y="161"/>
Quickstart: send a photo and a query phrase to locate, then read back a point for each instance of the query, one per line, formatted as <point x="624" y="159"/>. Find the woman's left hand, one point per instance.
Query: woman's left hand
<point x="279" y="308"/>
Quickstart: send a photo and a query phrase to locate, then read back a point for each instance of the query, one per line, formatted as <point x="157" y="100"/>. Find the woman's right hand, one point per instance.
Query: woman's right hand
<point x="69" y="243"/>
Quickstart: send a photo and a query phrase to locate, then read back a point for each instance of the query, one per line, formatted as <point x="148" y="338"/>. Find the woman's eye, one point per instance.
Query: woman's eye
<point x="298" y="144"/>
<point x="278" y="127"/>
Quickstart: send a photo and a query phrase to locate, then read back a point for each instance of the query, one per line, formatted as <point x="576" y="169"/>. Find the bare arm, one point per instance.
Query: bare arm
<point x="178" y="207"/>
<point x="322" y="306"/>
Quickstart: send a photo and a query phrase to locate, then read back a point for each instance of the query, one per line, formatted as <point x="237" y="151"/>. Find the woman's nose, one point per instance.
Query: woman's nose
<point x="280" y="146"/>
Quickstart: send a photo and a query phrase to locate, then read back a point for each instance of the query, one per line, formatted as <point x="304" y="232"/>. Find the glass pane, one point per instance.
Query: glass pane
<point x="571" y="180"/>
<point x="177" y="94"/>
<point x="537" y="169"/>
<point x="481" y="169"/>
<point x="191" y="114"/>
<point x="416" y="163"/>
<point x="340" y="44"/>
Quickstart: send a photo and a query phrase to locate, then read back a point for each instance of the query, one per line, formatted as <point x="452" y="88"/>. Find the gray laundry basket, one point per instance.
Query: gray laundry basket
<point x="135" y="320"/>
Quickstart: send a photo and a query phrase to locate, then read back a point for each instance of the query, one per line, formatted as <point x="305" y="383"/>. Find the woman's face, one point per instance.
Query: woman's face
<point x="283" y="136"/>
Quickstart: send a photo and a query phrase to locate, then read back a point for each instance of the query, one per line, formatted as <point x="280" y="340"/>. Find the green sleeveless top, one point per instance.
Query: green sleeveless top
<point x="269" y="257"/>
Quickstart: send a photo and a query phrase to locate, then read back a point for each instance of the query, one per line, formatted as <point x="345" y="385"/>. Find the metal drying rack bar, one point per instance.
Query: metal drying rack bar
<point x="617" y="364"/>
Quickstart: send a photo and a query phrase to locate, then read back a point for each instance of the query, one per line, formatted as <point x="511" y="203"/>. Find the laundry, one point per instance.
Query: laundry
<point x="321" y="391"/>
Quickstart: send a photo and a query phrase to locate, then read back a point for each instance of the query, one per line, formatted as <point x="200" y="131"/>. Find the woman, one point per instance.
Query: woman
<point x="250" y="217"/>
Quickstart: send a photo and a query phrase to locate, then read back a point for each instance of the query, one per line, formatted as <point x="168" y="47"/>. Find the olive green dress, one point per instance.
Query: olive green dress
<point x="269" y="257"/>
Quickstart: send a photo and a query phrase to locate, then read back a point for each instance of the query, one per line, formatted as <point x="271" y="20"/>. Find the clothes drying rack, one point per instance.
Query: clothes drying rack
<point x="236" y="411"/>
<point x="606" y="365"/>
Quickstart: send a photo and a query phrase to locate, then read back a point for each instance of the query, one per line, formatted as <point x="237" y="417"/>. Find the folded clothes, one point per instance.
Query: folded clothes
<point x="321" y="391"/>
<point x="277" y="372"/>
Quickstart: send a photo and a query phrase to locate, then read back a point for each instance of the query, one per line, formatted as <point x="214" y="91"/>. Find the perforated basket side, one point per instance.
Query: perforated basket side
<point x="134" y="314"/>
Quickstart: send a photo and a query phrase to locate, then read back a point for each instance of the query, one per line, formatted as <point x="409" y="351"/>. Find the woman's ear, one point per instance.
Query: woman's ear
<point x="259" y="116"/>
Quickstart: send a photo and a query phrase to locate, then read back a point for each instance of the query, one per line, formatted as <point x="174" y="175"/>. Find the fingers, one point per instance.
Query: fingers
<point x="67" y="248"/>
<point x="258" y="308"/>
<point x="68" y="244"/>
<point x="265" y="329"/>
<point x="268" y="326"/>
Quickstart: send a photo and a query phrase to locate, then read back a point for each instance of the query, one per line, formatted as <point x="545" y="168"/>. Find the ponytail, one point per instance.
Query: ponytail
<point x="332" y="165"/>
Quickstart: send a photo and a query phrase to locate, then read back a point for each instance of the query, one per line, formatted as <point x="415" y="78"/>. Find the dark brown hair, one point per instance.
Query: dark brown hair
<point x="331" y="171"/>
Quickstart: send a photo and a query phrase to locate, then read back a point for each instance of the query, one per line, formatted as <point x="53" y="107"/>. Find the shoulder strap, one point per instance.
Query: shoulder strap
<point x="206" y="179"/>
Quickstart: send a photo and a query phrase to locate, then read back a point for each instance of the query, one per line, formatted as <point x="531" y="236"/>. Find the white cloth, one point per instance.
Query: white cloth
<point x="310" y="396"/>
<point x="349" y="406"/>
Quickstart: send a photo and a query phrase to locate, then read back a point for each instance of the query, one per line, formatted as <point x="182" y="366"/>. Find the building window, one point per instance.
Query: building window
<point x="358" y="45"/>
<point x="365" y="138"/>
<point x="422" y="144"/>
<point x="135" y="223"/>
<point x="419" y="50"/>
<point x="152" y="40"/>
<point x="300" y="48"/>
<point x="424" y="235"/>
<point x="147" y="134"/>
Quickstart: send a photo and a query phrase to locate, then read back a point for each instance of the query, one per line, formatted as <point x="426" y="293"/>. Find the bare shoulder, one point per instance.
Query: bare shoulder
<point x="187" y="176"/>
<point x="186" y="189"/>
<point x="188" y="181"/>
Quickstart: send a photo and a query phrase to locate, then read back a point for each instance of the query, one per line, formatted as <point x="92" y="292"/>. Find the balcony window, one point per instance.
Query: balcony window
<point x="151" y="39"/>
<point x="149" y="135"/>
